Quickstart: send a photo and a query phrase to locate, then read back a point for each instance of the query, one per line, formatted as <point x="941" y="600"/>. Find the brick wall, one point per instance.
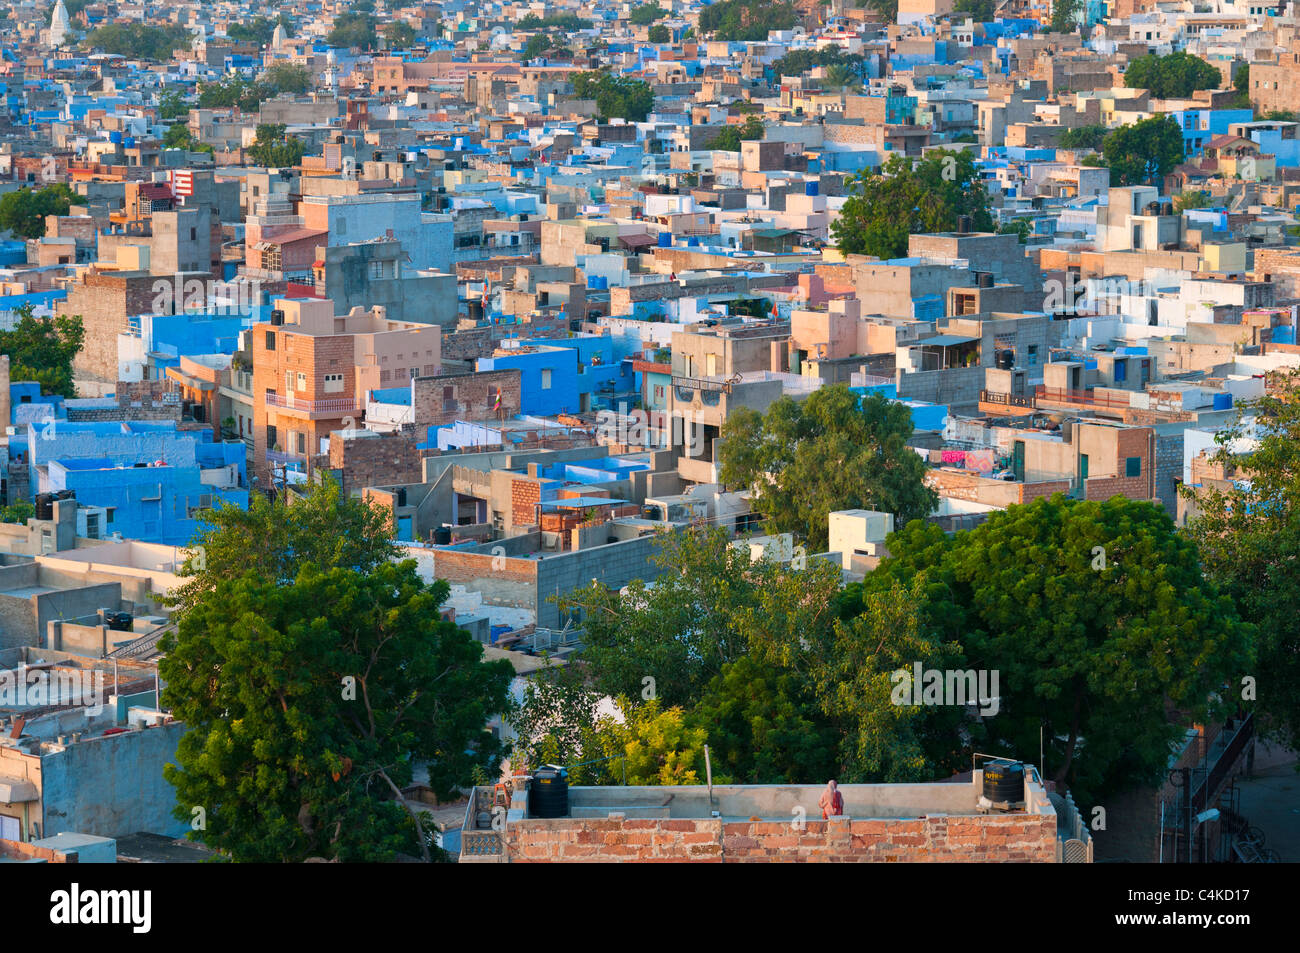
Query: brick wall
<point x="445" y="398"/>
<point x="384" y="460"/>
<point x="104" y="302"/>
<point x="524" y="497"/>
<point x="1129" y="443"/>
<point x="943" y="839"/>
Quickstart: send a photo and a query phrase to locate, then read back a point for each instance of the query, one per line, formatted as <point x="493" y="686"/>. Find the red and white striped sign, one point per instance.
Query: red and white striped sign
<point x="182" y="182"/>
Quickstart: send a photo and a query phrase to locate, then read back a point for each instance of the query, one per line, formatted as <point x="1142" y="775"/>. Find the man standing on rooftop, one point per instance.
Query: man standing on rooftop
<point x="831" y="802"/>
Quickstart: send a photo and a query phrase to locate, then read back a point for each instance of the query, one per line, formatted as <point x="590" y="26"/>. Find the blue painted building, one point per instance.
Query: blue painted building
<point x="146" y="478"/>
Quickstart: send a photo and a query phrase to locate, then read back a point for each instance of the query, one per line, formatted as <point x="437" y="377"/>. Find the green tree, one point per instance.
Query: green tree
<point x="259" y="30"/>
<point x="139" y="41"/>
<point x="354" y="30"/>
<point x="276" y="536"/>
<point x="765" y="725"/>
<point x="287" y="78"/>
<point x="678" y="631"/>
<point x="178" y="136"/>
<point x="981" y="11"/>
<point x="1065" y="15"/>
<point x="536" y="46"/>
<point x="1241" y="83"/>
<point x="1020" y="227"/>
<point x="910" y="197"/>
<point x="835" y="450"/>
<point x="615" y="96"/>
<point x="19" y="512"/>
<point x="798" y="62"/>
<point x="1248" y="532"/>
<point x="647" y="13"/>
<point x="1083" y="137"/>
<point x="23" y="211"/>
<point x="233" y="91"/>
<point x="746" y="20"/>
<point x="273" y="149"/>
<point x="1143" y="152"/>
<point x="659" y="34"/>
<point x="399" y="36"/>
<point x="1173" y="76"/>
<point x="1195" y="198"/>
<point x="730" y="138"/>
<point x="42" y="350"/>
<point x="308" y="705"/>
<point x="172" y="104"/>
<point x="1099" y="623"/>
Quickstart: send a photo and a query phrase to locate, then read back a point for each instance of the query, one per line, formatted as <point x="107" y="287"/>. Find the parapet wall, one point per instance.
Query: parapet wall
<point x="938" y="839"/>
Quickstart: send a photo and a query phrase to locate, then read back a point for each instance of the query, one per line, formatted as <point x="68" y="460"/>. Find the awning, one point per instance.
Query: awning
<point x="17" y="790"/>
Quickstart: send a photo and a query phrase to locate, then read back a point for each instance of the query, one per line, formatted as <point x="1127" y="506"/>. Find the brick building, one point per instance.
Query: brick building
<point x="105" y="300"/>
<point x="935" y="823"/>
<point x="312" y="372"/>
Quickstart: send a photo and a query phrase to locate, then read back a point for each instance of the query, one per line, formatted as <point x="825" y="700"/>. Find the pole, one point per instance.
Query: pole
<point x="1187" y="815"/>
<point x="708" y="773"/>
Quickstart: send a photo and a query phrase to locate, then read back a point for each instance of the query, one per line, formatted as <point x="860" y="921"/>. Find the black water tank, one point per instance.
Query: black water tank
<point x="442" y="535"/>
<point x="1004" y="782"/>
<point x="118" y="621"/>
<point x="548" y="792"/>
<point x="45" y="506"/>
<point x="1006" y="359"/>
<point x="400" y="496"/>
<point x="964" y="224"/>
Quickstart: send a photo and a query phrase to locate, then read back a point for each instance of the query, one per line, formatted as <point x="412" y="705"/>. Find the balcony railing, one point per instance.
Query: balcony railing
<point x="333" y="405"/>
<point x="1079" y="397"/>
<point x="1011" y="400"/>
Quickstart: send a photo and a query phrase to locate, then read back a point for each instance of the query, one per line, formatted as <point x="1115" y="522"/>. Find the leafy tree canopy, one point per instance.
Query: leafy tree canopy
<point x="910" y="197"/>
<point x="273" y="149"/>
<point x="259" y="30"/>
<point x="1099" y="622"/>
<point x="23" y="211"/>
<point x="42" y="350"/>
<point x="138" y="41"/>
<point x="1083" y="137"/>
<point x="1248" y="531"/>
<point x="729" y="139"/>
<point x="1143" y="152"/>
<point x="1172" y="76"/>
<point x="836" y="450"/>
<point x="647" y="13"/>
<point x="274" y="537"/>
<point x="981" y="11"/>
<point x="354" y="30"/>
<point x="615" y="96"/>
<point x="308" y="704"/>
<point x="742" y="20"/>
<point x="399" y="36"/>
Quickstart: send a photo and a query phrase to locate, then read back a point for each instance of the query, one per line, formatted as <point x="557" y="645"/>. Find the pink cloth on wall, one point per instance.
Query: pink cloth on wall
<point x="980" y="461"/>
<point x="954" y="456"/>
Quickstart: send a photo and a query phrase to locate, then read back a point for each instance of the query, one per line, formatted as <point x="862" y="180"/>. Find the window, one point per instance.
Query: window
<point x="270" y="340"/>
<point x="302" y="381"/>
<point x="108" y="515"/>
<point x="376" y="269"/>
<point x="546" y="378"/>
<point x="1121" y="371"/>
<point x="1033" y="354"/>
<point x="302" y="442"/>
<point x="1132" y="466"/>
<point x="333" y="383"/>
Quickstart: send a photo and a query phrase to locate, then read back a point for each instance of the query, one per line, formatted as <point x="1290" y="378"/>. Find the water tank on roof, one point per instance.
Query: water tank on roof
<point x="128" y="142"/>
<point x="692" y="242"/>
<point x="1004" y="782"/>
<point x="665" y="240"/>
<point x="45" y="506"/>
<point x="810" y="188"/>
<point x="1006" y="359"/>
<point x="1222" y="401"/>
<point x="604" y="282"/>
<point x="115" y="138"/>
<point x="442" y="536"/>
<point x="548" y="792"/>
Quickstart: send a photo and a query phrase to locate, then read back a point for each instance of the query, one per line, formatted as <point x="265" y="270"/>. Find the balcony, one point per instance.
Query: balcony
<point x="331" y="407"/>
